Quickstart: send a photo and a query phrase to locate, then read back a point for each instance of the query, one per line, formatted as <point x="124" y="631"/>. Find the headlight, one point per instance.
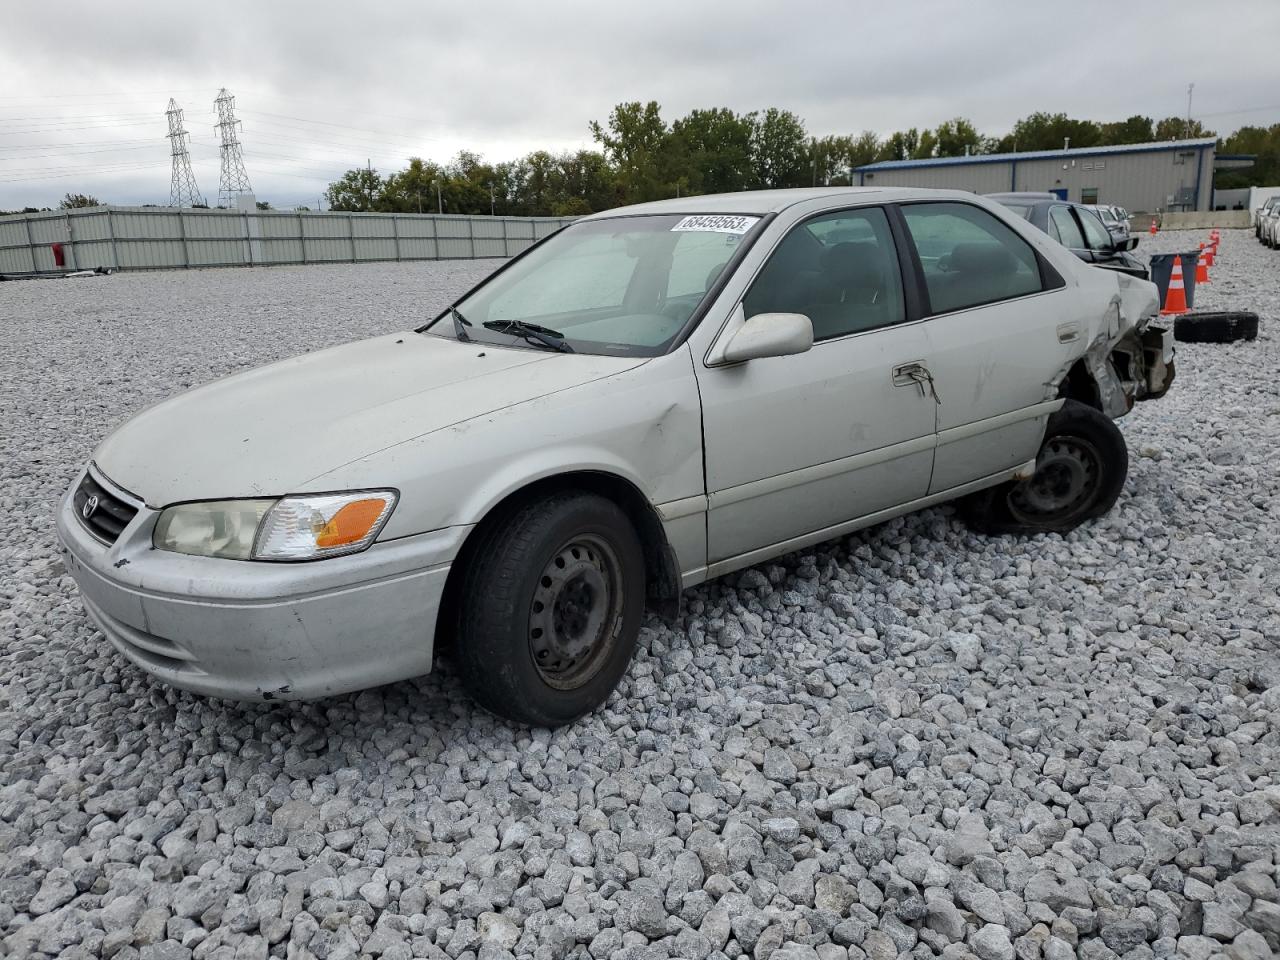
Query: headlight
<point x="292" y="528"/>
<point x="221" y="528"/>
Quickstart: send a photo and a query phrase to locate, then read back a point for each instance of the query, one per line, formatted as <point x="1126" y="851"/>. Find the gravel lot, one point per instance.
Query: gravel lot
<point x="910" y="741"/>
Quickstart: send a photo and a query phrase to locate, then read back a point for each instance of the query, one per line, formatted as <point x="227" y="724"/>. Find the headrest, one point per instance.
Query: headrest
<point x="857" y="263"/>
<point x="987" y="258"/>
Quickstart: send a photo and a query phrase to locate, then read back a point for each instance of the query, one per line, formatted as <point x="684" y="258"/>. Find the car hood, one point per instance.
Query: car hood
<point x="273" y="430"/>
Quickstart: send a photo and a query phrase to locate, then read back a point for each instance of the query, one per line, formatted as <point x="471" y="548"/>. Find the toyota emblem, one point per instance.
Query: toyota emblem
<point x="90" y="506"/>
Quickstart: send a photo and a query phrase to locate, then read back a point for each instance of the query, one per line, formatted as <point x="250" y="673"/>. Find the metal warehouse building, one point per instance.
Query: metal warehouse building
<point x="1141" y="177"/>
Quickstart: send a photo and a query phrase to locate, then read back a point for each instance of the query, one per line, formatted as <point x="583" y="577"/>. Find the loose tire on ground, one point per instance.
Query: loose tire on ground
<point x="550" y="608"/>
<point x="1080" y="471"/>
<point x="1221" y="326"/>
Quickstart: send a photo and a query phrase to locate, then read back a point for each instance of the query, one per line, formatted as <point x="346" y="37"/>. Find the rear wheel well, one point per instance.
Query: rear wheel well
<point x="662" y="573"/>
<point x="1080" y="386"/>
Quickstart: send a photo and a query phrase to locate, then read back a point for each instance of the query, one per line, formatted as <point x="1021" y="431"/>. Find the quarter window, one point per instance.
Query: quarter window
<point x="969" y="257"/>
<point x="840" y="270"/>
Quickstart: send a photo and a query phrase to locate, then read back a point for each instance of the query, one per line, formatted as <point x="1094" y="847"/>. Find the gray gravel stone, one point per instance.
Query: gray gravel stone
<point x="991" y="942"/>
<point x="1059" y="746"/>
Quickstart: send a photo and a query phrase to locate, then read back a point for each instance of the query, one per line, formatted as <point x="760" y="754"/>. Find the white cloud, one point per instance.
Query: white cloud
<point x="398" y="78"/>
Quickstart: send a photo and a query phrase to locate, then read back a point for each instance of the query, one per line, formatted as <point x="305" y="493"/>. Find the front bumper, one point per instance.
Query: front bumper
<point x="250" y="630"/>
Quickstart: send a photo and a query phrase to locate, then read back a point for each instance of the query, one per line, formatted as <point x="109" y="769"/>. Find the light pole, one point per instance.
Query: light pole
<point x="439" y="199"/>
<point x="492" y="203"/>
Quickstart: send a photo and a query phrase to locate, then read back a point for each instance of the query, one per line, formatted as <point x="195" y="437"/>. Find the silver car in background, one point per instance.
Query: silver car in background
<point x="1115" y="219"/>
<point x="652" y="397"/>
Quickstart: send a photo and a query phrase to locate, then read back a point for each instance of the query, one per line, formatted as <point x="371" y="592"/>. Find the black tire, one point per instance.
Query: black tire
<point x="1080" y="471"/>
<point x="1219" y="326"/>
<point x="550" y="608"/>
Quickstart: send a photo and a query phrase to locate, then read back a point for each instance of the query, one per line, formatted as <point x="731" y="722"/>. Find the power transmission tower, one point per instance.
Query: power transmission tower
<point x="182" y="189"/>
<point x="234" y="180"/>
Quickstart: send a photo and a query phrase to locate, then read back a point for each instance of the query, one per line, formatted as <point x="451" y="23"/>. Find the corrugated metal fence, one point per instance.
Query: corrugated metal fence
<point x="145" y="238"/>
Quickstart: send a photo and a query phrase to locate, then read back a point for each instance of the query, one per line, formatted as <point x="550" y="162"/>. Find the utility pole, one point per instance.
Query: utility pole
<point x="492" y="202"/>
<point x="182" y="188"/>
<point x="1190" y="90"/>
<point x="439" y="198"/>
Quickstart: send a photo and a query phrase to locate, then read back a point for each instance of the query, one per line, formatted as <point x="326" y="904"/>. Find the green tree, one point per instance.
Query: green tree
<point x="1136" y="129"/>
<point x="1263" y="143"/>
<point x="959" y="137"/>
<point x="1177" y="128"/>
<point x="634" y="139"/>
<point x="900" y="146"/>
<point x="1049" y="131"/>
<point x="73" y="201"/>
<point x="716" y="149"/>
<point x="779" y="150"/>
<point x="358" y="191"/>
<point x="926" y="146"/>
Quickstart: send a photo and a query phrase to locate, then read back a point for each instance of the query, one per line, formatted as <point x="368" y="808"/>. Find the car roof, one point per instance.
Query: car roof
<point x="761" y="202"/>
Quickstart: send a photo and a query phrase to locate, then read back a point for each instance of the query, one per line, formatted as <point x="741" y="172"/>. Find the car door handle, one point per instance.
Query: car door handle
<point x="908" y="374"/>
<point x="1068" y="332"/>
<point x="916" y="374"/>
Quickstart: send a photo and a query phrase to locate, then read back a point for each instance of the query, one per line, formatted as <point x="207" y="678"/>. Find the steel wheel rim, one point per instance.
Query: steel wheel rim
<point x="1065" y="483"/>
<point x="576" y="612"/>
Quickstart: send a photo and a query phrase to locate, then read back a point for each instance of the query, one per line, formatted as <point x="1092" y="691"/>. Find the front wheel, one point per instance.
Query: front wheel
<point x="550" y="609"/>
<point x="1080" y="471"/>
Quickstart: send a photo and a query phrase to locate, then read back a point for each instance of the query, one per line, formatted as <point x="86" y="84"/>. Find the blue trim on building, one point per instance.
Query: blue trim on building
<point x="1195" y="203"/>
<point x="1199" y="145"/>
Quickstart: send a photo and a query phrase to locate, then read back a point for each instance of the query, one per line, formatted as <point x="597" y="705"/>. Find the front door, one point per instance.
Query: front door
<point x="798" y="444"/>
<point x="999" y="330"/>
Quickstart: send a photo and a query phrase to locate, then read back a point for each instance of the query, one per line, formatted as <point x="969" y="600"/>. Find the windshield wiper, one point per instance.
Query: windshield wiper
<point x="460" y="323"/>
<point x="530" y="333"/>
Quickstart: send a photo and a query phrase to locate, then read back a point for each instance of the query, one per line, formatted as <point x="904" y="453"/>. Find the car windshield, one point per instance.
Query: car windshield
<point x="623" y="286"/>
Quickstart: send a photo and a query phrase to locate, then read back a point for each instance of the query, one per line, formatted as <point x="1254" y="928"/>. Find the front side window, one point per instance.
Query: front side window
<point x="624" y="286"/>
<point x="1062" y="226"/>
<point x="840" y="270"/>
<point x="1094" y="232"/>
<point x="969" y="256"/>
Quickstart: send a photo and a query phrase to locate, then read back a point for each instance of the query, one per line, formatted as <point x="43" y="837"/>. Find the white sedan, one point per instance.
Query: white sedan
<point x="652" y="397"/>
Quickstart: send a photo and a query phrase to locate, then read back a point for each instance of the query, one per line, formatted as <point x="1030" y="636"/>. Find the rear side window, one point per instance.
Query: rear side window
<point x="1063" y="228"/>
<point x="969" y="257"/>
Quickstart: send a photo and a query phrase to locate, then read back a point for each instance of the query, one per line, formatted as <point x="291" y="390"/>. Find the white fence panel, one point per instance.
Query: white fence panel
<point x="145" y="238"/>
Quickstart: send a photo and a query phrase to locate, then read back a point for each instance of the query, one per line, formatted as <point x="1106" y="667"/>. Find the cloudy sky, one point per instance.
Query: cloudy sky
<point x="323" y="86"/>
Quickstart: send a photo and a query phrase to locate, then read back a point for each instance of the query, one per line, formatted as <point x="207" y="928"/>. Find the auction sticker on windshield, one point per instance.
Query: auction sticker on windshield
<point x="707" y="223"/>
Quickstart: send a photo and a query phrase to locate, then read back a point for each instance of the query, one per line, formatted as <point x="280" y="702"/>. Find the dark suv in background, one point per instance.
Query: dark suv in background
<point x="1077" y="228"/>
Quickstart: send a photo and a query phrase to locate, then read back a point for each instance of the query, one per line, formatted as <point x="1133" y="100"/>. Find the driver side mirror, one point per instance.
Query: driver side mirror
<point x="1128" y="244"/>
<point x="770" y="335"/>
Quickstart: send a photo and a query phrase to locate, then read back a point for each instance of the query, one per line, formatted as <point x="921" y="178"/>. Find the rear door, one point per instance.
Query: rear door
<point x="1000" y="325"/>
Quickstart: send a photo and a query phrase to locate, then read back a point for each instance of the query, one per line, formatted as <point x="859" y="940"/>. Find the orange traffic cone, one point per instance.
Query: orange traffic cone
<point x="1202" y="266"/>
<point x="1210" y="252"/>
<point x="1175" y="300"/>
<point x="1214" y="236"/>
<point x="1154" y="230"/>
